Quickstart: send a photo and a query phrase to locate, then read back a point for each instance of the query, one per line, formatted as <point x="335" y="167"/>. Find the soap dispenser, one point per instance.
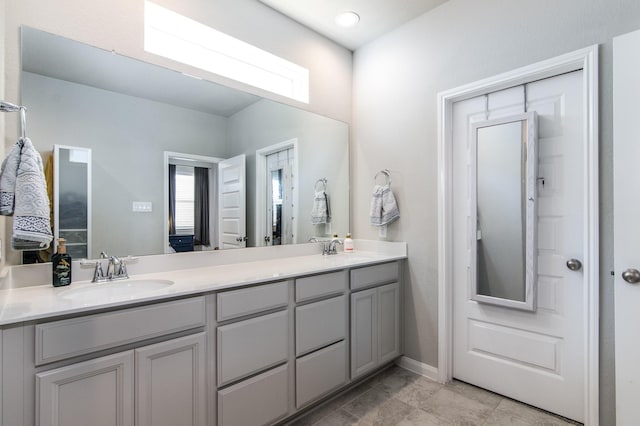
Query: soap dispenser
<point x="348" y="244"/>
<point x="61" y="263"/>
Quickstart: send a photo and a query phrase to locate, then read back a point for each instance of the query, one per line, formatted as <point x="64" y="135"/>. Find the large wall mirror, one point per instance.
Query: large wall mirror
<point x="503" y="243"/>
<point x="130" y="114"/>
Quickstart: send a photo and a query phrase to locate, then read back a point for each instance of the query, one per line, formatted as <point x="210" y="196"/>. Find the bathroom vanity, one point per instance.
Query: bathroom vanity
<point x="235" y="339"/>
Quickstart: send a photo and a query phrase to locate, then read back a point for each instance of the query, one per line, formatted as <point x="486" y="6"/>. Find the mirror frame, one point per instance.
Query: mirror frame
<point x="529" y="170"/>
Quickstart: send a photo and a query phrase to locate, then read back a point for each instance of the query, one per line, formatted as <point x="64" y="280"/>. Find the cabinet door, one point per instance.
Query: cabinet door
<point x="364" y="331"/>
<point x="81" y="393"/>
<point x="170" y="382"/>
<point x="258" y="401"/>
<point x="388" y="322"/>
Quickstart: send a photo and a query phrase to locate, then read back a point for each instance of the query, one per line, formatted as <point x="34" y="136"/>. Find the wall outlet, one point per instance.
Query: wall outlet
<point x="142" y="206"/>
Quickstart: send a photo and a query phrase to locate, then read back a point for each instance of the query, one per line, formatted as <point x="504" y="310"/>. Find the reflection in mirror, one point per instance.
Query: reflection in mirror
<point x="72" y="199"/>
<point x="128" y="113"/>
<point x="504" y="235"/>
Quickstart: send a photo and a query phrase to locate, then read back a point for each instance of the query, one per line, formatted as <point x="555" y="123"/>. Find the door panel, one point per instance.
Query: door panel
<point x="498" y="348"/>
<point x="626" y="208"/>
<point x="232" y="203"/>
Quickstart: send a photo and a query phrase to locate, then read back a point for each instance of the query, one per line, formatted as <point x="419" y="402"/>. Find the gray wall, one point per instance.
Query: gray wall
<point x="323" y="152"/>
<point x="396" y="82"/>
<point x="127" y="136"/>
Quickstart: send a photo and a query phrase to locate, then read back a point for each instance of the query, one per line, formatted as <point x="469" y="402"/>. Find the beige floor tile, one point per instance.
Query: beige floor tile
<point x="477" y="394"/>
<point x="510" y="412"/>
<point x="369" y="402"/>
<point x="456" y="408"/>
<point x="338" y="418"/>
<point x="390" y="412"/>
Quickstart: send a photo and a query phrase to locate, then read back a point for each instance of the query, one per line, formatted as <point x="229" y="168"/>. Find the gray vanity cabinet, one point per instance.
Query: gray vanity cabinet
<point x="169" y="390"/>
<point x="170" y="387"/>
<point x="155" y="384"/>
<point x="375" y="317"/>
<point x="81" y="393"/>
<point x="254" y="349"/>
<point x="321" y="324"/>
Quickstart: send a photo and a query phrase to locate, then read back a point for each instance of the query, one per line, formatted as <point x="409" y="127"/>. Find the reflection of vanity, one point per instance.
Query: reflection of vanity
<point x="201" y="351"/>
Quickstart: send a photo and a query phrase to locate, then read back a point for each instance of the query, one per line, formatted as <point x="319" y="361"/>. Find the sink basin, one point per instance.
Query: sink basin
<point x="115" y="290"/>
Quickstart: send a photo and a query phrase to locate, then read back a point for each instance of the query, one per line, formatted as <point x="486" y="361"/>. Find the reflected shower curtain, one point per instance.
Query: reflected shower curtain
<point x="201" y="205"/>
<point x="172" y="199"/>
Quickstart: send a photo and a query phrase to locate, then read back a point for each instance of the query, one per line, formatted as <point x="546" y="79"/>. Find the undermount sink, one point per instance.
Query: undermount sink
<point x="115" y="290"/>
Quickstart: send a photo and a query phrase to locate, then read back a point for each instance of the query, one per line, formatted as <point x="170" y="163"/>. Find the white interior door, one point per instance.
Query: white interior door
<point x="232" y="203"/>
<point x="626" y="208"/>
<point x="535" y="357"/>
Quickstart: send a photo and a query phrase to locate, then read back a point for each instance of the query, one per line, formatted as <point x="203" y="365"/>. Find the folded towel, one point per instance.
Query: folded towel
<point x="320" y="212"/>
<point x="31" y="224"/>
<point x="384" y="208"/>
<point x="8" y="175"/>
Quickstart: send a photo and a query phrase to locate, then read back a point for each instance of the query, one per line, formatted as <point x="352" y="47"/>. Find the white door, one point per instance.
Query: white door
<point x="232" y="203"/>
<point x="626" y="208"/>
<point x="535" y="357"/>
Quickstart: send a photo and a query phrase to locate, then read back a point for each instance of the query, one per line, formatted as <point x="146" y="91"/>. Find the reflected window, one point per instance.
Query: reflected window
<point x="185" y="200"/>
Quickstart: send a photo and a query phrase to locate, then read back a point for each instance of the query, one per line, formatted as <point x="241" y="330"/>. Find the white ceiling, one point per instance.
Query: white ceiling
<point x="376" y="16"/>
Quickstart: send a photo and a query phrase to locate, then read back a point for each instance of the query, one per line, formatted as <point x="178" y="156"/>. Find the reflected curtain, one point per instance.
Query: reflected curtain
<point x="172" y="199"/>
<point x="201" y="205"/>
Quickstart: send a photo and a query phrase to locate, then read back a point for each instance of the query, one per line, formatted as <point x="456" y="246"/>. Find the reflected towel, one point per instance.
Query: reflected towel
<point x="8" y="176"/>
<point x="320" y="212"/>
<point x="31" y="224"/>
<point x="384" y="208"/>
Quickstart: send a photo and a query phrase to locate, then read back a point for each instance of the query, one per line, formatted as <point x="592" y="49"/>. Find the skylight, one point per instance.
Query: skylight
<point x="181" y="39"/>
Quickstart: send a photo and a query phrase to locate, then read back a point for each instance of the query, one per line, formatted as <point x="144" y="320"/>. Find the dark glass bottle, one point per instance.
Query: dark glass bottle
<point x="61" y="265"/>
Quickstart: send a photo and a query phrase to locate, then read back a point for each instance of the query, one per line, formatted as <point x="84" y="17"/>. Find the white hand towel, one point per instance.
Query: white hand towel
<point x="383" y="209"/>
<point x="320" y="212"/>
<point x="8" y="176"/>
<point x="31" y="225"/>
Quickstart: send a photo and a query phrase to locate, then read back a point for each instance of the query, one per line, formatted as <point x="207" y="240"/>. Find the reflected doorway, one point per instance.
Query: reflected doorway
<point x="277" y="201"/>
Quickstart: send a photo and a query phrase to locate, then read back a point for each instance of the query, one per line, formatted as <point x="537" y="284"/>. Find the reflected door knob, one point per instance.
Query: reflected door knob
<point x="632" y="276"/>
<point x="574" y="264"/>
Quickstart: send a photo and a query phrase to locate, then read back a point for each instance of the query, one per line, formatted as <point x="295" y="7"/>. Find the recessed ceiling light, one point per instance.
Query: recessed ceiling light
<point x="347" y="19"/>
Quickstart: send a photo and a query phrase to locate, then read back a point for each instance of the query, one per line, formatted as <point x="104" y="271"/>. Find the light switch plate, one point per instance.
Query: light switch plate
<point x="142" y="206"/>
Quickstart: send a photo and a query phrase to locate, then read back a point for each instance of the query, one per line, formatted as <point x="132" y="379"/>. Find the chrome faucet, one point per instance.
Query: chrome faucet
<point x="117" y="269"/>
<point x="332" y="247"/>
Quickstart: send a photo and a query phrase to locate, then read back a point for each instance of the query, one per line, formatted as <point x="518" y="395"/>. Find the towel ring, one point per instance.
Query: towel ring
<point x="386" y="173"/>
<point x="322" y="182"/>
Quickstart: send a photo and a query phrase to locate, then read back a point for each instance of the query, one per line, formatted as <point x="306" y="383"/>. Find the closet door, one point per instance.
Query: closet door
<point x="500" y="348"/>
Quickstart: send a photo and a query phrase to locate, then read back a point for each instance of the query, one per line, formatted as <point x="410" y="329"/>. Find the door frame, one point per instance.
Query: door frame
<point x="261" y="188"/>
<point x="587" y="60"/>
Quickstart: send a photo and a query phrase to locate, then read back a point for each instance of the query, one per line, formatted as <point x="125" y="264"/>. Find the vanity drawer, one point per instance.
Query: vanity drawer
<point x="320" y="285"/>
<point x="257" y="401"/>
<point x="246" y="347"/>
<point x="77" y="336"/>
<point x="375" y="275"/>
<point x="321" y="323"/>
<point x="246" y="301"/>
<point x="320" y="372"/>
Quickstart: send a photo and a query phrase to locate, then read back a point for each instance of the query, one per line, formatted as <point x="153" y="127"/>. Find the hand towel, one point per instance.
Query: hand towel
<point x="8" y="175"/>
<point x="31" y="224"/>
<point x="320" y="212"/>
<point x="383" y="209"/>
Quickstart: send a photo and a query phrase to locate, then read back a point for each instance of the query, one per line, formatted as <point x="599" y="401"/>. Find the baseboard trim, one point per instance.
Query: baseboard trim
<point x="418" y="367"/>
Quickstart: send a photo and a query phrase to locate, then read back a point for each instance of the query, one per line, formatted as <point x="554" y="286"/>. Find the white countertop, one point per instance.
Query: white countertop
<point x="34" y="302"/>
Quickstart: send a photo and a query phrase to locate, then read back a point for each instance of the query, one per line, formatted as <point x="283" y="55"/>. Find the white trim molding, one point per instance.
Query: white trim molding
<point x="426" y="370"/>
<point x="586" y="60"/>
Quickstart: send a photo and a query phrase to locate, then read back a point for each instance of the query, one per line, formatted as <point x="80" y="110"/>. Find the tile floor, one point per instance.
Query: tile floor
<point x="399" y="397"/>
